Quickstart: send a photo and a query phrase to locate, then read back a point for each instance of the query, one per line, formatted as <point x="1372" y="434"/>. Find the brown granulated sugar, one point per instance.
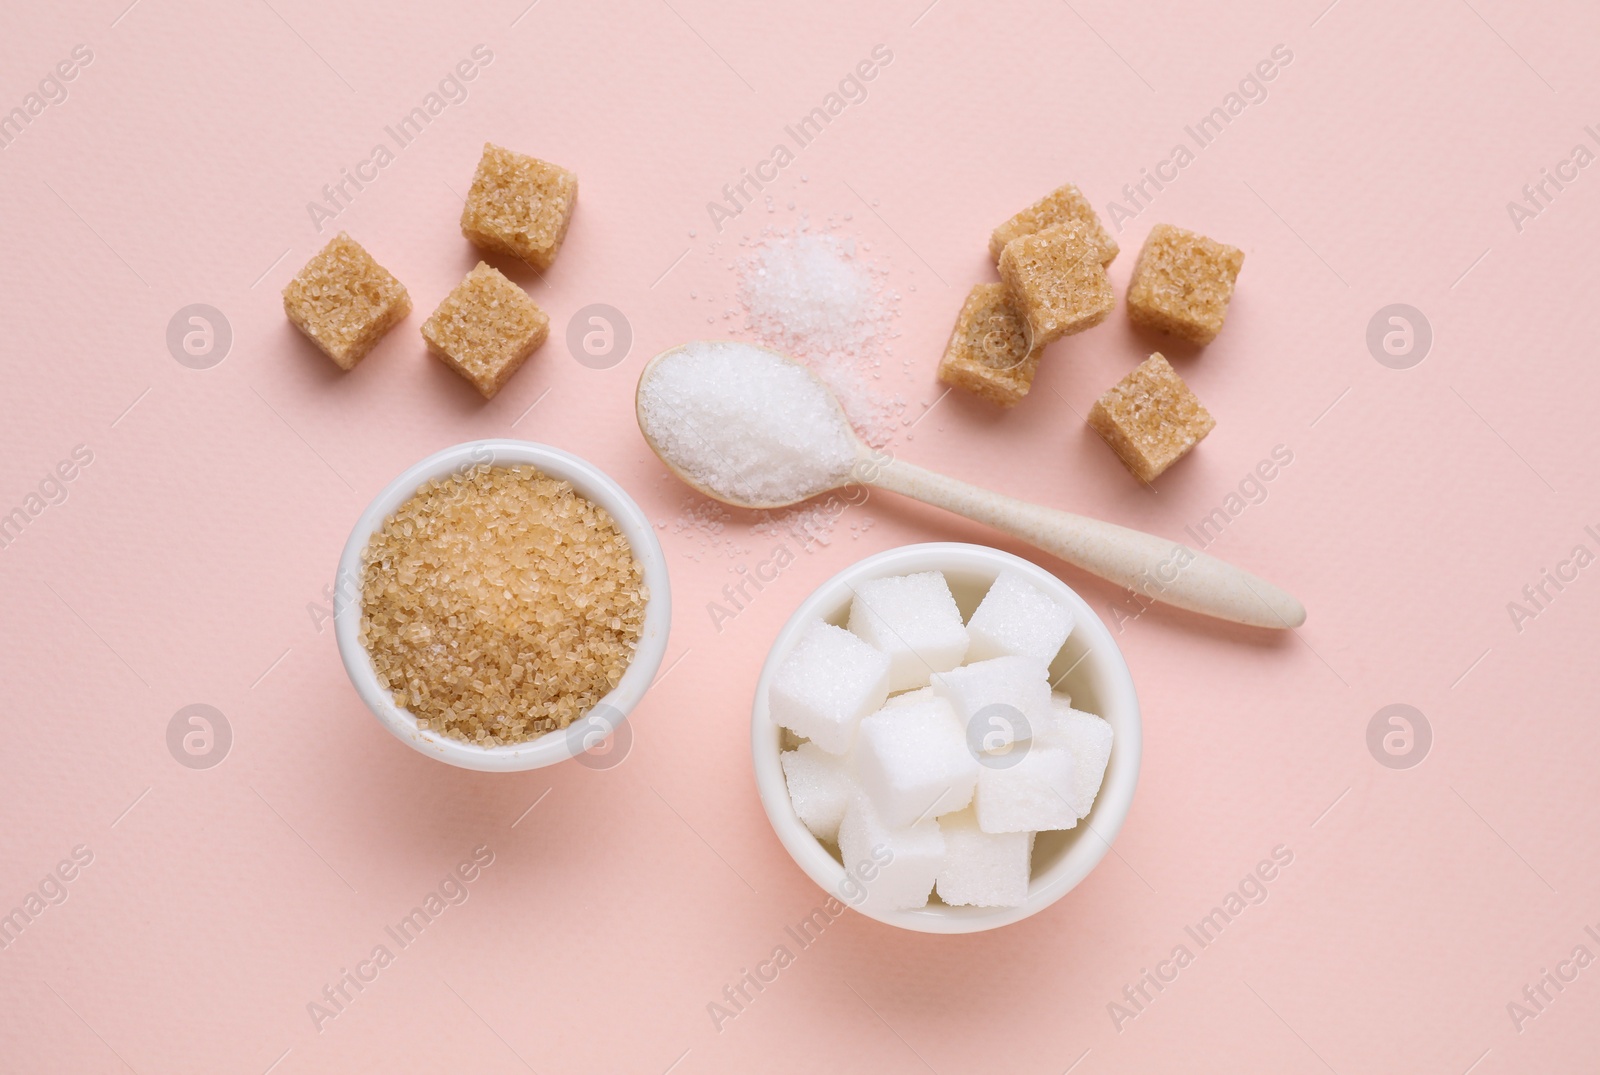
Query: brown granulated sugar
<point x="1150" y="418"/>
<point x="497" y="604"/>
<point x="344" y="301"/>
<point x="1064" y="205"/>
<point x="519" y="205"/>
<point x="990" y="352"/>
<point x="1182" y="284"/>
<point x="1056" y="280"/>
<point x="485" y="329"/>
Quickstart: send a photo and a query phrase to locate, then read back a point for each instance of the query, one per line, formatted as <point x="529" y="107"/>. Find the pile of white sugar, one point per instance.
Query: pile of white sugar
<point x="815" y="296"/>
<point x="809" y="293"/>
<point x="745" y="424"/>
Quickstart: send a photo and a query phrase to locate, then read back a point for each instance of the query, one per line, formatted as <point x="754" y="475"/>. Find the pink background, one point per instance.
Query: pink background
<point x="183" y="566"/>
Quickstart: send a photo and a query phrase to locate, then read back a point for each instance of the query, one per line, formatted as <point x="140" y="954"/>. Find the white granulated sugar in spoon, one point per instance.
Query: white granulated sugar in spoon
<point x="745" y="424"/>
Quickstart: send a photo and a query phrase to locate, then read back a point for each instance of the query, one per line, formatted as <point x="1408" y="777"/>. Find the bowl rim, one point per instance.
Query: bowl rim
<point x="610" y="713"/>
<point x="1111" y="806"/>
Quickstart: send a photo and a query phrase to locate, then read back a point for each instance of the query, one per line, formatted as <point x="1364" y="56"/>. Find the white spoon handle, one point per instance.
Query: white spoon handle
<point x="1154" y="567"/>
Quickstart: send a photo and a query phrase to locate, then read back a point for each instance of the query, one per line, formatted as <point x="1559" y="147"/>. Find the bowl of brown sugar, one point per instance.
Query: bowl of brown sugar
<point x="502" y="605"/>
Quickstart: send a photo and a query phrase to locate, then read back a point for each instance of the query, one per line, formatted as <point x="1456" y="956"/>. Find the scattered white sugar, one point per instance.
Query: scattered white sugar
<point x="807" y="291"/>
<point x="704" y="523"/>
<point x="745" y="424"/>
<point x="804" y="524"/>
<point x="815" y="296"/>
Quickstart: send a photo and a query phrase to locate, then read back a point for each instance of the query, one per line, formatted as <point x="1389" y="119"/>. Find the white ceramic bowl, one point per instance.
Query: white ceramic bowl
<point x="1098" y="682"/>
<point x="609" y="713"/>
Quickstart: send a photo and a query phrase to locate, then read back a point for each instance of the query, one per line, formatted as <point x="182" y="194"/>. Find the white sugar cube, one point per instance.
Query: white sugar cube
<point x="914" y="619"/>
<point x="894" y="868"/>
<point x="983" y="869"/>
<point x="827" y="683"/>
<point x="1088" y="738"/>
<point x="819" y="787"/>
<point x="999" y="701"/>
<point x="1030" y="790"/>
<point x="1016" y="618"/>
<point x="912" y="760"/>
<point x="921" y="694"/>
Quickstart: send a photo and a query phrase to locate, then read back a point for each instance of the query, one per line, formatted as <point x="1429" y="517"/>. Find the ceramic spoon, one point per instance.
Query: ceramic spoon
<point x="1154" y="567"/>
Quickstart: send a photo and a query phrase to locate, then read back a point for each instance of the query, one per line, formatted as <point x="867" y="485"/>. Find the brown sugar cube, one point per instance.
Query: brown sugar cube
<point x="1064" y="205"/>
<point x="1056" y="280"/>
<point x="344" y="301"/>
<point x="485" y="328"/>
<point x="991" y="350"/>
<point x="519" y="205"/>
<point x="1150" y="418"/>
<point x="1182" y="283"/>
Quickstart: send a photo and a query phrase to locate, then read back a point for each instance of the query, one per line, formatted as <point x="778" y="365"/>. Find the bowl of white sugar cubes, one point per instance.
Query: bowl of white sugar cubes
<point x="946" y="737"/>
